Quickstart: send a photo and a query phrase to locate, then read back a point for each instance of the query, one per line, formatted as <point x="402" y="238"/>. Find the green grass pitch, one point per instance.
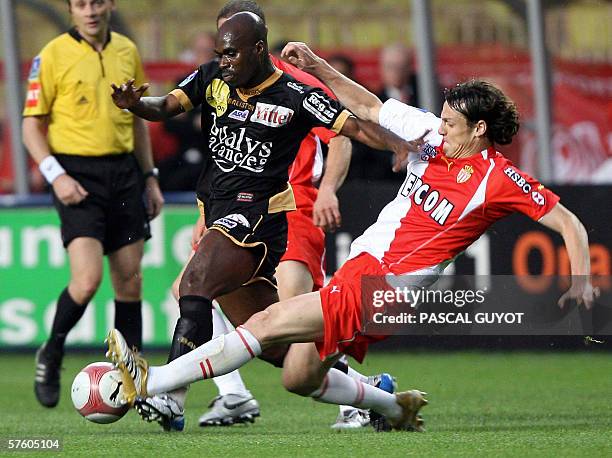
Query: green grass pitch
<point x="481" y="404"/>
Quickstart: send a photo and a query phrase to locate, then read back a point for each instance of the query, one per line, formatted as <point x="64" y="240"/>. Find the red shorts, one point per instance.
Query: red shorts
<point x="306" y="244"/>
<point x="341" y="302"/>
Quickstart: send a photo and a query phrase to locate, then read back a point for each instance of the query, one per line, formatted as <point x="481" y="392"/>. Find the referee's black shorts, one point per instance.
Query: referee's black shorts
<point x="252" y="228"/>
<point x="114" y="211"/>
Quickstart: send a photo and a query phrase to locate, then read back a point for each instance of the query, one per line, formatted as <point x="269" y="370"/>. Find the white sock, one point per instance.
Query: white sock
<point x="217" y="357"/>
<point x="344" y="410"/>
<point x="352" y="373"/>
<point x="230" y="383"/>
<point x="339" y="388"/>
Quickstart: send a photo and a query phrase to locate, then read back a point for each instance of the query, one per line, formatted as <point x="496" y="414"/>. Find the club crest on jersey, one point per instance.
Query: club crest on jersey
<point x="217" y="95"/>
<point x="538" y="198"/>
<point x="240" y="115"/>
<point x="271" y="115"/>
<point x="465" y="174"/>
<point x="427" y="152"/>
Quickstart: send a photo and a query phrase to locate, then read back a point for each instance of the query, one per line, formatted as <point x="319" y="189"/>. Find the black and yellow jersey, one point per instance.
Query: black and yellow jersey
<point x="253" y="135"/>
<point x="70" y="81"/>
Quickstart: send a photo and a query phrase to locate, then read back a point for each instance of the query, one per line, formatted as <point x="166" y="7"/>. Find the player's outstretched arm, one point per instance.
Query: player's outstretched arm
<point x="574" y="235"/>
<point x="154" y="200"/>
<point x="361" y="102"/>
<point x="128" y="97"/>
<point x="326" y="209"/>
<point x="378" y="137"/>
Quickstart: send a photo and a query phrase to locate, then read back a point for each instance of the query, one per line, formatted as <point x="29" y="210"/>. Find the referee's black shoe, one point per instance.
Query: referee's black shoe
<point x="47" y="379"/>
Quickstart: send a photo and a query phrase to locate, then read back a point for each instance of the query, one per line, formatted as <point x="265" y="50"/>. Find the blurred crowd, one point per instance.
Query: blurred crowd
<point x="177" y="143"/>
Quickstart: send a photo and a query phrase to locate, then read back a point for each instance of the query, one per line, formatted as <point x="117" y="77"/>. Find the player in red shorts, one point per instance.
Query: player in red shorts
<point x="457" y="188"/>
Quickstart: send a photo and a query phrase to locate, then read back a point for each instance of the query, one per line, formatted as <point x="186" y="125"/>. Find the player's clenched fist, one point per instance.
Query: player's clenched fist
<point x="300" y="55"/>
<point x="400" y="157"/>
<point x="127" y="95"/>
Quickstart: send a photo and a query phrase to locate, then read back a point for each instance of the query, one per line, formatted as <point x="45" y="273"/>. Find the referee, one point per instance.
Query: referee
<point x="97" y="158"/>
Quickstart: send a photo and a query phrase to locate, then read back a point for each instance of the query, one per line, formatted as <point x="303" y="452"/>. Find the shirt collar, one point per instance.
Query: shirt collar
<point x="74" y="33"/>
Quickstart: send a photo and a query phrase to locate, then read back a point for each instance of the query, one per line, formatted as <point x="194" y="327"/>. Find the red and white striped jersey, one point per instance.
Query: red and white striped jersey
<point x="307" y="167"/>
<point x="444" y="205"/>
<point x="306" y="171"/>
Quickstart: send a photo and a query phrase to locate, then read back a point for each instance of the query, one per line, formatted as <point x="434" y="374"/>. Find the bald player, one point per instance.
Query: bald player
<point x="254" y="117"/>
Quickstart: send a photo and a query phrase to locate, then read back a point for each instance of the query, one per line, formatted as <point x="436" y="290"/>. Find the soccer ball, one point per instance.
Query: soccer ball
<point x="97" y="393"/>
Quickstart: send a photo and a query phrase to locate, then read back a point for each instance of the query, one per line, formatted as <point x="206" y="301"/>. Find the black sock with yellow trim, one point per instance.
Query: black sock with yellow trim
<point x="194" y="327"/>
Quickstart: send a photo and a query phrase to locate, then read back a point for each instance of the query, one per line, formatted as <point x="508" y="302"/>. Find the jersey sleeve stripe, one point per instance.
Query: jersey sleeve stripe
<point x="183" y="99"/>
<point x="479" y="196"/>
<point x="340" y="120"/>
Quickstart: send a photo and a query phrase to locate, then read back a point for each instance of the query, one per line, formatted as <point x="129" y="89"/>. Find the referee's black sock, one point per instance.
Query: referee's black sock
<point x="194" y="327"/>
<point x="67" y="314"/>
<point x="128" y="320"/>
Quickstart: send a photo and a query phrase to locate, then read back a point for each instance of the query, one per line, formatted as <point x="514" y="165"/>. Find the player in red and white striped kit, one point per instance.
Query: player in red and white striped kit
<point x="457" y="188"/>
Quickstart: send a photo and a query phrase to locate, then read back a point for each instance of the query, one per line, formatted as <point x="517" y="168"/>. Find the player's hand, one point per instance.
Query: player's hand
<point x="68" y="190"/>
<point x="154" y="200"/>
<point x="581" y="291"/>
<point x="127" y="95"/>
<point x="197" y="232"/>
<point x="400" y="156"/>
<point x="300" y="55"/>
<point x="326" y="211"/>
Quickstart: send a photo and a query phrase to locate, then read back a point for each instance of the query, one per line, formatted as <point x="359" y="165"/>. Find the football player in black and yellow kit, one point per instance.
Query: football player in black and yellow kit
<point x="253" y="118"/>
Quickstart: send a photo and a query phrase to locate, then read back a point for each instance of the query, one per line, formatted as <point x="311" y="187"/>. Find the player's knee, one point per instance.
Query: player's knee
<point x="83" y="292"/>
<point x="130" y="277"/>
<point x="259" y="326"/>
<point x="268" y="326"/>
<point x="300" y="382"/>
<point x="83" y="288"/>
<point x="128" y="284"/>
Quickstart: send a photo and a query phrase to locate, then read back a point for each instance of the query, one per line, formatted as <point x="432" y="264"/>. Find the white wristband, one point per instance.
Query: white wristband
<point x="51" y="169"/>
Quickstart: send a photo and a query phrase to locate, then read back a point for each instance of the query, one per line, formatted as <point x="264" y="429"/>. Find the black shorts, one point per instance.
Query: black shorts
<point x="114" y="211"/>
<point x="266" y="233"/>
